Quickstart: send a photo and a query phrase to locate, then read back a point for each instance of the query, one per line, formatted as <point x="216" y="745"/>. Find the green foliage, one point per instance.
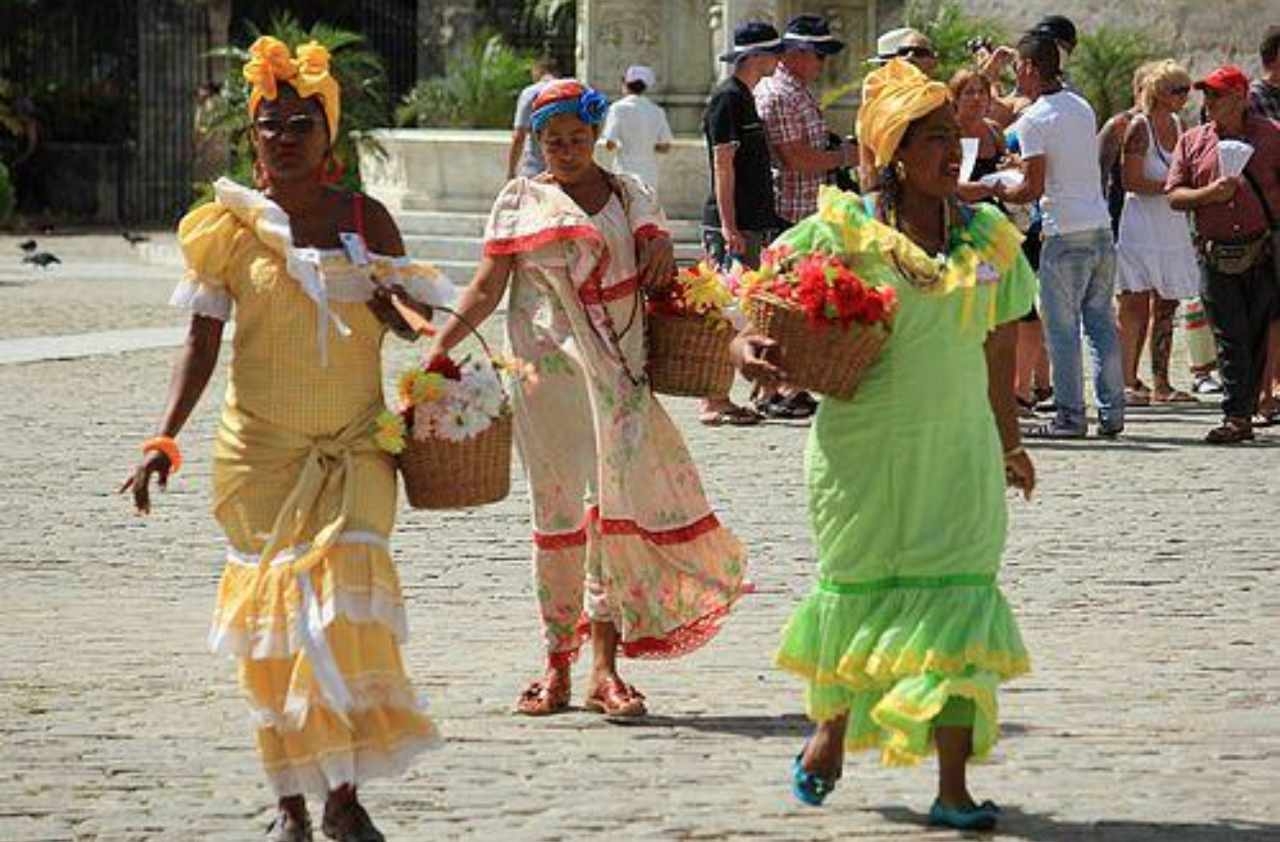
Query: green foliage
<point x="478" y="92"/>
<point x="7" y="199"/>
<point x="1103" y="63"/>
<point x="950" y="30"/>
<point x="551" y="15"/>
<point x="358" y="70"/>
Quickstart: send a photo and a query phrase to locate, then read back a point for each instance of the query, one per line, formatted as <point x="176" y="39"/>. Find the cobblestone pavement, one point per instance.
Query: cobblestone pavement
<point x="1144" y="576"/>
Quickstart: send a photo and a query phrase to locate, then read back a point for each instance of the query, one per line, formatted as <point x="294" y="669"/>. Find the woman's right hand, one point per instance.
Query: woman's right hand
<point x="154" y="462"/>
<point x="749" y="352"/>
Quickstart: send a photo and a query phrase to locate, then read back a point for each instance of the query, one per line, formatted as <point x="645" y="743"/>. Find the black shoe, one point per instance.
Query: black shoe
<point x="1110" y="431"/>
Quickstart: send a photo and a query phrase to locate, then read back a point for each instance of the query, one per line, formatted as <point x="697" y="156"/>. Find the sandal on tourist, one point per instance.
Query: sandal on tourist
<point x="286" y="827"/>
<point x="738" y="416"/>
<point x="1137" y="396"/>
<point x="978" y="817"/>
<point x="350" y="823"/>
<point x="616" y="698"/>
<point x="1206" y="384"/>
<point x="1231" y="431"/>
<point x="810" y="787"/>
<point x="782" y="408"/>
<point x="543" y="698"/>
<point x="1173" y="396"/>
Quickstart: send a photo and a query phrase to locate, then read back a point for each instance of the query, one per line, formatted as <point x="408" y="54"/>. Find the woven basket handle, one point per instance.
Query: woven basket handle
<point x="488" y="352"/>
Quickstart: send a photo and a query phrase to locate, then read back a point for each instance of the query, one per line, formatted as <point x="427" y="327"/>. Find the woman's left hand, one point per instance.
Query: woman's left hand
<point x="384" y="307"/>
<point x="656" y="262"/>
<point x="1020" y="473"/>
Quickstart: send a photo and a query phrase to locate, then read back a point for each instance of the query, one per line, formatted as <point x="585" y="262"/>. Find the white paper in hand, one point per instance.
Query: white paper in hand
<point x="1011" y="179"/>
<point x="1232" y="157"/>
<point x="969" y="145"/>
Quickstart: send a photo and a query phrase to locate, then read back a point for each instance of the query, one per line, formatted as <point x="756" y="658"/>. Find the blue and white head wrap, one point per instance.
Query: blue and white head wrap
<point x="569" y="96"/>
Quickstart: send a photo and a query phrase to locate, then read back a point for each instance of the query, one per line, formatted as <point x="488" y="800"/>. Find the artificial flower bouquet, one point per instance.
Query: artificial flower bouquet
<point x="690" y="328"/>
<point x="452" y="431"/>
<point x="829" y="323"/>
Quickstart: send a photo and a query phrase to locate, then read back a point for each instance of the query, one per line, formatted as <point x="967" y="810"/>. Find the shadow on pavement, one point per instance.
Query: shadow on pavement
<point x="1043" y="827"/>
<point x="786" y="725"/>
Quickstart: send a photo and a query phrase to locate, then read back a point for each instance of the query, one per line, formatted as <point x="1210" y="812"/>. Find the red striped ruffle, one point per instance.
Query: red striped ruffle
<point x="595" y="294"/>
<point x="650" y="232"/>
<point x="688" y="638"/>
<point x="626" y="526"/>
<point x="532" y="242"/>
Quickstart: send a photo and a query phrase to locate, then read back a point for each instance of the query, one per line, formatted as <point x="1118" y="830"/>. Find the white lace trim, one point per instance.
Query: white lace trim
<point x="290" y="554"/>
<point x="269" y="641"/>
<point x="369" y="692"/>
<point x="318" y="774"/>
<point x="305" y="265"/>
<point x="202" y="298"/>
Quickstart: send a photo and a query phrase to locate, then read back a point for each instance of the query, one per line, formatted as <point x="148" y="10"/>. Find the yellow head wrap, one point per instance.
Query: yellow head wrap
<point x="269" y="62"/>
<point x="892" y="98"/>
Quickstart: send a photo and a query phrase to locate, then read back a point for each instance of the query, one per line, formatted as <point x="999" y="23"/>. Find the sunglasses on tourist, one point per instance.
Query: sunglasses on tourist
<point x="916" y="52"/>
<point x="299" y="125"/>
<point x="1180" y="90"/>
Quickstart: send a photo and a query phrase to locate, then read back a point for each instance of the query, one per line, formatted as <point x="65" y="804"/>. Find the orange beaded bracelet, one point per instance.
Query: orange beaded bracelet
<point x="169" y="447"/>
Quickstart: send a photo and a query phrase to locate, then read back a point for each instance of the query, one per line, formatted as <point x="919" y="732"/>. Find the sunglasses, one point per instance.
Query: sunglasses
<point x="299" y="125"/>
<point x="1179" y="90"/>
<point x="916" y="52"/>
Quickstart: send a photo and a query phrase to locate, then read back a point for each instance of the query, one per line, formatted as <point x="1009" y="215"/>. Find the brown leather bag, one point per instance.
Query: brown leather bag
<point x="1236" y="257"/>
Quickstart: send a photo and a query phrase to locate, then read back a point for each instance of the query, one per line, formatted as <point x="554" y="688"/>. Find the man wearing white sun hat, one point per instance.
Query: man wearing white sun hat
<point x="636" y="129"/>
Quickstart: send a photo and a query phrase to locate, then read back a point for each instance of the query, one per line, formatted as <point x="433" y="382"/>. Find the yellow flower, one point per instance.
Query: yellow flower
<point x="416" y="387"/>
<point x="388" y="431"/>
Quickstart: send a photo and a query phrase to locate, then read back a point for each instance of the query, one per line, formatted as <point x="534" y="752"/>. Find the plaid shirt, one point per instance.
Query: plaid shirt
<point x="791" y="113"/>
<point x="1264" y="99"/>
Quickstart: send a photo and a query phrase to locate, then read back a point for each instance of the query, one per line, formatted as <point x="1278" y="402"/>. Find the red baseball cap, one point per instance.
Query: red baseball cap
<point x="1227" y="79"/>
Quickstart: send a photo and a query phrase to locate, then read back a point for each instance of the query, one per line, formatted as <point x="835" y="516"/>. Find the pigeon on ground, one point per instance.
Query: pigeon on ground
<point x="134" y="239"/>
<point x="43" y="259"/>
<point x="29" y="246"/>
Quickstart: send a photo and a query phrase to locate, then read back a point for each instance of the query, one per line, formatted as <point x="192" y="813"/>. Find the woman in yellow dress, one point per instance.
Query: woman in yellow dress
<point x="309" y="601"/>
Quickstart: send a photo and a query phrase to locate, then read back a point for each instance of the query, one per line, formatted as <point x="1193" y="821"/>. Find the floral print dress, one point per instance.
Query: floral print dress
<point x="622" y="529"/>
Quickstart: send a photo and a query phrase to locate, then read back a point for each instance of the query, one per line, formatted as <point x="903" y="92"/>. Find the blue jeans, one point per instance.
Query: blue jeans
<point x="1077" y="287"/>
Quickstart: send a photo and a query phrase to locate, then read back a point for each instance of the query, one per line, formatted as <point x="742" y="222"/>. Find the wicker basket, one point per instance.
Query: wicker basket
<point x="689" y="356"/>
<point x="831" y="361"/>
<point x="441" y="474"/>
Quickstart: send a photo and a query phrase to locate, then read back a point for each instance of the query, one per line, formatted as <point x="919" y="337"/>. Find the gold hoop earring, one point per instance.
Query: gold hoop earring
<point x="900" y="170"/>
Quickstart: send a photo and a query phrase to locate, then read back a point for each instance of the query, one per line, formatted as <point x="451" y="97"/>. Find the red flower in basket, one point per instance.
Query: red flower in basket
<point x="445" y="367"/>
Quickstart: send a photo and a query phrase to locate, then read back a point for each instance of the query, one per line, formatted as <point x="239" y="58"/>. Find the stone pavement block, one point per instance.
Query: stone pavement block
<point x="1142" y="574"/>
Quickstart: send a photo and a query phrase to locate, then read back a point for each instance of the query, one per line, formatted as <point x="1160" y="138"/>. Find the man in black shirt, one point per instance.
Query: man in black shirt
<point x="739" y="219"/>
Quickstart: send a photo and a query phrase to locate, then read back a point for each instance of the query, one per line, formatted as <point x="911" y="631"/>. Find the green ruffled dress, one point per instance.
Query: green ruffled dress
<point x="907" y="498"/>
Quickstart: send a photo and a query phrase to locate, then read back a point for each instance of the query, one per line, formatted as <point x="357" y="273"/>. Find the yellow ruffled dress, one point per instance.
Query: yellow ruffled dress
<point x="310" y="600"/>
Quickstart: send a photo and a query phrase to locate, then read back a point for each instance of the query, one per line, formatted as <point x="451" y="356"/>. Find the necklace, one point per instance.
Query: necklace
<point x="926" y="273"/>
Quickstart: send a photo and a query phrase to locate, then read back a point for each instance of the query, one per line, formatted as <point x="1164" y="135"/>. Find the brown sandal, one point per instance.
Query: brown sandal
<point x="1232" y="431"/>
<point x="616" y="698"/>
<point x="543" y="699"/>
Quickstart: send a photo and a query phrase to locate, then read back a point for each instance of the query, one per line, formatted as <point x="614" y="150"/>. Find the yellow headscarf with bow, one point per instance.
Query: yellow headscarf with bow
<point x="892" y="98"/>
<point x="308" y="73"/>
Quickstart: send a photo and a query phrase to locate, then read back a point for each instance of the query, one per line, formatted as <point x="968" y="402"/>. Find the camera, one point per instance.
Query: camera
<point x="977" y="45"/>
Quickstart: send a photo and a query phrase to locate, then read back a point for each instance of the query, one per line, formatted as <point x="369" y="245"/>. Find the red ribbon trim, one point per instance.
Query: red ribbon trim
<point x="533" y="242"/>
<point x="650" y="231"/>
<point x="625" y="526"/>
<point x="593" y="293"/>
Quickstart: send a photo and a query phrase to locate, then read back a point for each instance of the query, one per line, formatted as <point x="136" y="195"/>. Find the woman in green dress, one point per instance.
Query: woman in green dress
<point x="906" y="636"/>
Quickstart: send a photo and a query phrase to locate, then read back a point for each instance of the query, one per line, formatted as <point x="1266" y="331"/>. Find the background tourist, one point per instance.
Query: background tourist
<point x="525" y="156"/>
<point x="636" y="130"/>
<point x="1156" y="261"/>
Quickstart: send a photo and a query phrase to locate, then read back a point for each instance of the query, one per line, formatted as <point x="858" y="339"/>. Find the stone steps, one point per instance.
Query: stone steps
<point x="453" y="241"/>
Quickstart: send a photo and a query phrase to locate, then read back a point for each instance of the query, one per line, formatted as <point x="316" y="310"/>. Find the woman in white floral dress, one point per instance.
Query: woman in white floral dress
<point x="626" y="548"/>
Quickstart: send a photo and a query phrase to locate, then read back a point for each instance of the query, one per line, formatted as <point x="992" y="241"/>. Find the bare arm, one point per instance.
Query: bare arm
<point x="725" y="198"/>
<point x="801" y="157"/>
<point x="518" y="138"/>
<point x="1190" y="198"/>
<point x="1001" y="352"/>
<point x="1110" y="144"/>
<point x="868" y="178"/>
<point x="1133" y="166"/>
<point x="481" y="297"/>
<point x="1032" y="187"/>
<point x="191" y="372"/>
<point x="392" y="304"/>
